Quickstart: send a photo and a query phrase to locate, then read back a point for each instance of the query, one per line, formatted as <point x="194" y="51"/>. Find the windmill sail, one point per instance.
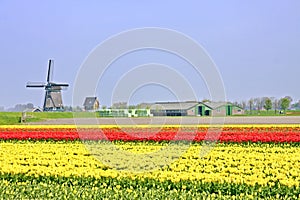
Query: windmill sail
<point x="35" y="84"/>
<point x="50" y="69"/>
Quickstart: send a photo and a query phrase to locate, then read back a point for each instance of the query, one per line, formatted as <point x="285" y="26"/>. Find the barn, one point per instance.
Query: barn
<point x="195" y="108"/>
<point x="174" y="108"/>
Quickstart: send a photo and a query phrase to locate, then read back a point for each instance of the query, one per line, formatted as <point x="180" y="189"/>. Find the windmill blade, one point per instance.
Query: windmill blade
<point x="56" y="86"/>
<point x="35" y="84"/>
<point x="61" y="84"/>
<point x="50" y="70"/>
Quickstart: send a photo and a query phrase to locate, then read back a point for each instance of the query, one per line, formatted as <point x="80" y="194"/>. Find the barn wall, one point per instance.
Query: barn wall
<point x="237" y="111"/>
<point x="192" y="112"/>
<point x="221" y="111"/>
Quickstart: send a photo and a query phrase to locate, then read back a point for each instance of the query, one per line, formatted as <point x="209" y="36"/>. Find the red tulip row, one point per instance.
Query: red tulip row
<point x="155" y="129"/>
<point x="162" y="135"/>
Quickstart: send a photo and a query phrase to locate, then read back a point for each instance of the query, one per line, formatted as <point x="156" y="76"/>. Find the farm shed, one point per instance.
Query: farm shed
<point x="219" y="109"/>
<point x="91" y="104"/>
<point x="174" y="108"/>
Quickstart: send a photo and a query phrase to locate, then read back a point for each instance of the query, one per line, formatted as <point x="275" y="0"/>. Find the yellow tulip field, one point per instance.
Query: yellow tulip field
<point x="152" y="168"/>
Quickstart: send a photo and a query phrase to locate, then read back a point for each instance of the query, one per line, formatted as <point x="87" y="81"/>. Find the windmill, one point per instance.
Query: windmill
<point x="53" y="98"/>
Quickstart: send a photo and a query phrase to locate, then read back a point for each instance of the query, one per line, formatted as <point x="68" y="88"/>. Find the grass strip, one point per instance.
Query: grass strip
<point x="20" y="186"/>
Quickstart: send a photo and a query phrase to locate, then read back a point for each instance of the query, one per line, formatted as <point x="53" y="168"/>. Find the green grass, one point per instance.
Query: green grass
<point x="14" y="117"/>
<point x="21" y="186"/>
<point x="271" y="113"/>
<point x="9" y="118"/>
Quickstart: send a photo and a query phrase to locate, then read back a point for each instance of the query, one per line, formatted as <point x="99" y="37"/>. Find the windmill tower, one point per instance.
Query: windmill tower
<point x="53" y="98"/>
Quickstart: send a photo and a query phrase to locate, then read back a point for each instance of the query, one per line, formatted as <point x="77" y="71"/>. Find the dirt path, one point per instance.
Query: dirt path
<point x="177" y="120"/>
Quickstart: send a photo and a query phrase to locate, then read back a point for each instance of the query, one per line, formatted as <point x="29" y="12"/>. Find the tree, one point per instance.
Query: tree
<point x="250" y="105"/>
<point x="68" y="108"/>
<point x="244" y="105"/>
<point x="77" y="109"/>
<point x="285" y="103"/>
<point x="258" y="103"/>
<point x="21" y="107"/>
<point x="263" y="101"/>
<point x="236" y="103"/>
<point x="289" y="98"/>
<point x="276" y="105"/>
<point x="268" y="104"/>
<point x="206" y="101"/>
<point x="296" y="106"/>
<point x="30" y="106"/>
<point x="119" y="105"/>
<point x="131" y="107"/>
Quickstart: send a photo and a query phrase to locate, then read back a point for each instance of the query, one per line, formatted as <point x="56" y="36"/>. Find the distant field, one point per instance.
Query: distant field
<point x="294" y="112"/>
<point x="272" y="113"/>
<point x="64" y="117"/>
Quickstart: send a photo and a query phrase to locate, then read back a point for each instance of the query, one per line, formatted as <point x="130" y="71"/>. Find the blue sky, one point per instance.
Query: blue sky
<point x="255" y="45"/>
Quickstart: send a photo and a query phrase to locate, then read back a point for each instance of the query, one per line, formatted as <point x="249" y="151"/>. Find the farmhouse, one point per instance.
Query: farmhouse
<point x="194" y="108"/>
<point x="91" y="104"/>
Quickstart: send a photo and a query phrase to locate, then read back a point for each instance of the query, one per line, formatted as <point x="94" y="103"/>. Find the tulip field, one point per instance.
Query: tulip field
<point x="150" y="162"/>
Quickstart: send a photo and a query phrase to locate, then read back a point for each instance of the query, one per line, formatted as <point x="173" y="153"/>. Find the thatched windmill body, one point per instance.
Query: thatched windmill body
<point x="53" y="98"/>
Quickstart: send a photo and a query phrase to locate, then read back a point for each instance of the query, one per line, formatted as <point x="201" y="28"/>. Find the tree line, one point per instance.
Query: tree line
<point x="253" y="104"/>
<point x="268" y="103"/>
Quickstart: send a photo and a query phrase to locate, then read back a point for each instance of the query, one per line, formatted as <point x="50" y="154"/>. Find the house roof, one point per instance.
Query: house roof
<point x="176" y="105"/>
<point x="183" y="105"/>
<point x="214" y="105"/>
<point x="89" y="101"/>
<point x="33" y="110"/>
